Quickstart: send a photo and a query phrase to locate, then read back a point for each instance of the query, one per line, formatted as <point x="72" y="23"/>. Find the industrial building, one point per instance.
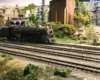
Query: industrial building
<point x="63" y="11"/>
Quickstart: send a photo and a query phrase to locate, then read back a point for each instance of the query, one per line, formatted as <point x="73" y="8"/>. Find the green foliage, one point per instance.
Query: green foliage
<point x="95" y="42"/>
<point x="32" y="72"/>
<point x="62" y="72"/>
<point x="7" y="22"/>
<point x="75" y="38"/>
<point x="4" y="55"/>
<point x="4" y="61"/>
<point x="29" y="7"/>
<point x="42" y="11"/>
<point x="14" y="74"/>
<point x="92" y="36"/>
<point x="31" y="76"/>
<point x="79" y="25"/>
<point x="61" y="30"/>
<point x="81" y="16"/>
<point x="28" y="69"/>
<point x="86" y="14"/>
<point x="79" y="19"/>
<point x="43" y="23"/>
<point x="88" y="28"/>
<point x="82" y="41"/>
<point x="7" y="56"/>
<point x="32" y="18"/>
<point x="10" y="57"/>
<point x="80" y="3"/>
<point x="84" y="38"/>
<point x="77" y="8"/>
<point x="29" y="22"/>
<point x="38" y="17"/>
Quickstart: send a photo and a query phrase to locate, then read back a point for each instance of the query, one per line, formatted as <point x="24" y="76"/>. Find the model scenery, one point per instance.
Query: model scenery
<point x="69" y="31"/>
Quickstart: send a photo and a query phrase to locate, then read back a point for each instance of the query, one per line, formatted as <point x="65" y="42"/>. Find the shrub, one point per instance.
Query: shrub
<point x="28" y="69"/>
<point x="32" y="72"/>
<point x="75" y="38"/>
<point x="79" y="25"/>
<point x="10" y="57"/>
<point x="31" y="76"/>
<point x="95" y="42"/>
<point x="61" y="30"/>
<point x="84" y="38"/>
<point x="82" y="17"/>
<point x="4" y="61"/>
<point x="14" y="74"/>
<point x="4" y="55"/>
<point x="59" y="34"/>
<point x="98" y="43"/>
<point x="36" y="74"/>
<point x="62" y="72"/>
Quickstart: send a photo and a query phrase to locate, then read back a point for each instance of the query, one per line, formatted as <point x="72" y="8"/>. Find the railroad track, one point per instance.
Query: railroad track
<point x="55" y="53"/>
<point x="52" y="61"/>
<point x="68" y="49"/>
<point x="80" y="46"/>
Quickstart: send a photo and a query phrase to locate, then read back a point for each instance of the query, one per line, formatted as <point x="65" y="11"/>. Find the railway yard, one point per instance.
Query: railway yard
<point x="84" y="60"/>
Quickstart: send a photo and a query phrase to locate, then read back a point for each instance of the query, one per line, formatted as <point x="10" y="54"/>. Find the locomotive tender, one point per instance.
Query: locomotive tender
<point x="40" y="34"/>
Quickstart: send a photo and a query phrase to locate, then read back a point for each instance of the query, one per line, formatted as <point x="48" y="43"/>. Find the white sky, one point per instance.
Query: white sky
<point x="23" y="2"/>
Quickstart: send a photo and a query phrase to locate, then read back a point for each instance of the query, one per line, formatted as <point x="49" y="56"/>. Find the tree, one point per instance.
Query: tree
<point x="29" y="7"/>
<point x="80" y="3"/>
<point x="86" y="13"/>
<point x="42" y="11"/>
<point x="32" y="18"/>
<point x="77" y="8"/>
<point x="38" y="17"/>
<point x="81" y="16"/>
<point x="7" y="22"/>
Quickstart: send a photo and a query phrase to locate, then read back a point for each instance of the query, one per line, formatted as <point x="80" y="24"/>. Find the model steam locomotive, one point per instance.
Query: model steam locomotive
<point x="38" y="34"/>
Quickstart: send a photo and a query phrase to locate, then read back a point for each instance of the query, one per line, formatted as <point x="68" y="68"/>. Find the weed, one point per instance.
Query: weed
<point x="4" y="61"/>
<point x="10" y="57"/>
<point x="75" y="38"/>
<point x="95" y="42"/>
<point x="4" y="55"/>
<point x="81" y="42"/>
<point x="14" y="74"/>
<point x="62" y="72"/>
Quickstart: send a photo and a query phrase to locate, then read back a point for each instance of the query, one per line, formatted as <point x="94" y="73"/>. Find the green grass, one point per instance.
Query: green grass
<point x="66" y="40"/>
<point x="89" y="28"/>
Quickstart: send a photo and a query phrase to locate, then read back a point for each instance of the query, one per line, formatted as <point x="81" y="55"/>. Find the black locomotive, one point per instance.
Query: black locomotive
<point x="38" y="33"/>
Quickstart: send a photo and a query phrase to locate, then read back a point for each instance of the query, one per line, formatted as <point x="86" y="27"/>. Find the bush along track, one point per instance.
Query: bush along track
<point x="30" y="72"/>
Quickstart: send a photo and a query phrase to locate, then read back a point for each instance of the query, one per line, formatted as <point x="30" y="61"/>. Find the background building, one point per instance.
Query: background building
<point x="61" y="10"/>
<point x="96" y="14"/>
<point x="1" y="20"/>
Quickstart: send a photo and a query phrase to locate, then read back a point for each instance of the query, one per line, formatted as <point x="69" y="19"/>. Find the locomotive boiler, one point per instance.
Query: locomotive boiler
<point x="40" y="34"/>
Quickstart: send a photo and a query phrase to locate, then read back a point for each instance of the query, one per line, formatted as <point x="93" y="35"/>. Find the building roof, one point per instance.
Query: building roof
<point x="17" y="20"/>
